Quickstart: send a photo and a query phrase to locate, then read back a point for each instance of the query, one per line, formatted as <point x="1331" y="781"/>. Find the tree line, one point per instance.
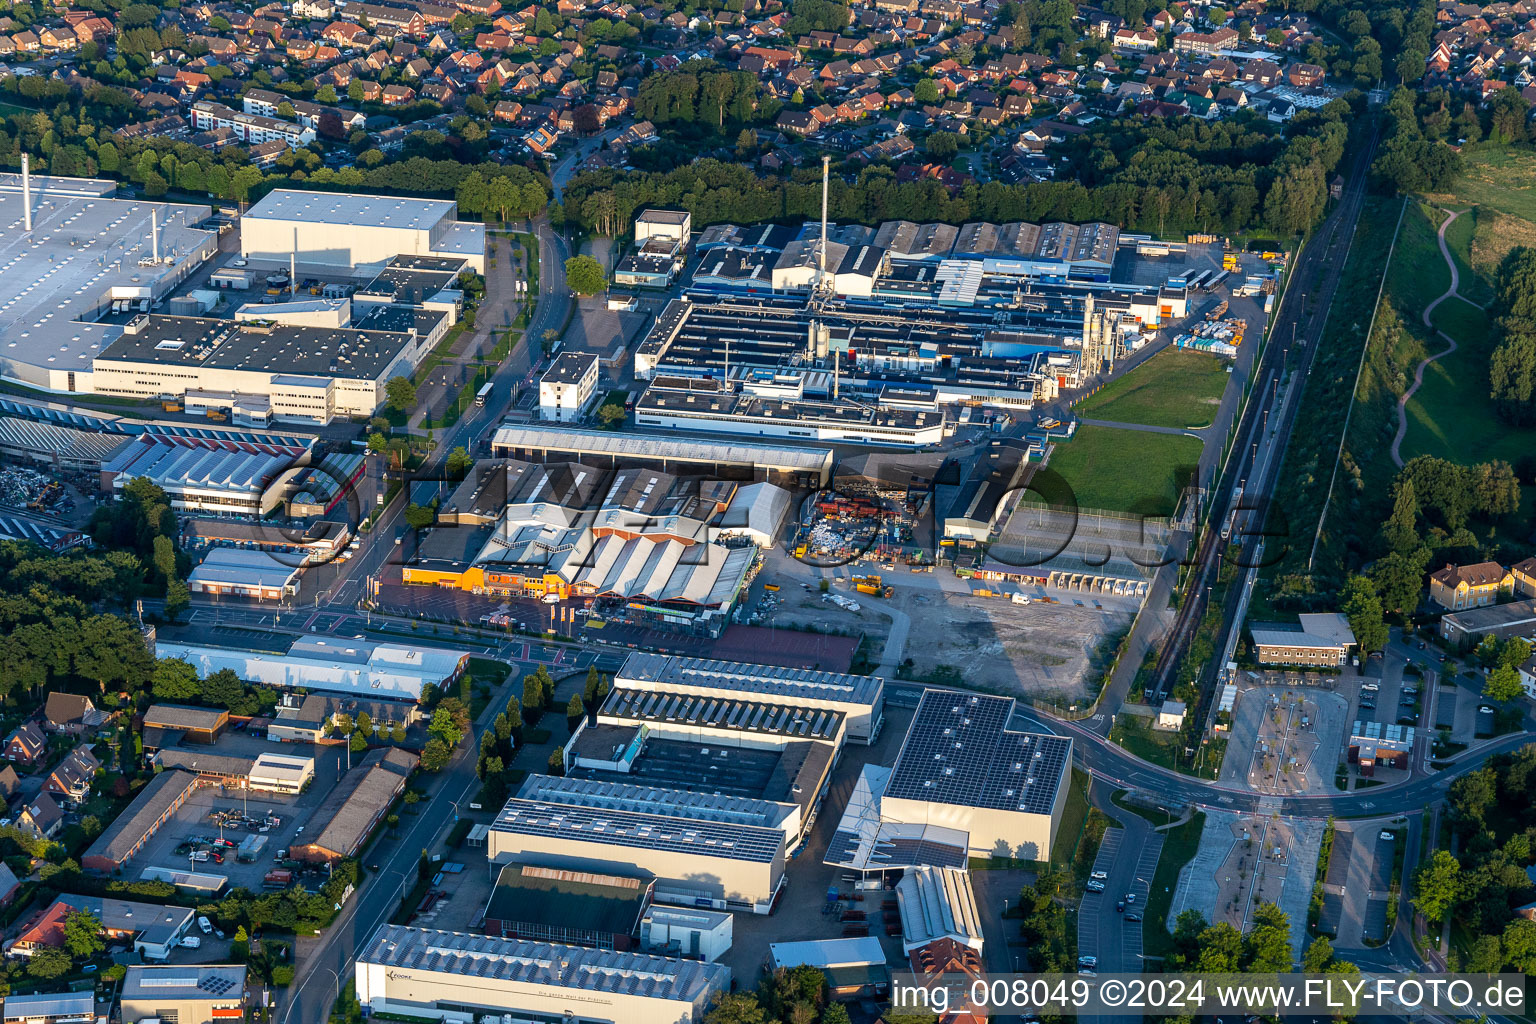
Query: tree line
<point x="1479" y="887"/>
<point x="1414" y="156"/>
<point x="1512" y="367"/>
<point x="1155" y="177"/>
<point x="72" y="132"/>
<point x="701" y="92"/>
<point x="1436" y="504"/>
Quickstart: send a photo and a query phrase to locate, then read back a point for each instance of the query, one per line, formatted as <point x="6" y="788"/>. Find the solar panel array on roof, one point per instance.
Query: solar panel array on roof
<point x="599" y="794"/>
<point x="643" y="668"/>
<point x="960" y="751"/>
<point x="722" y="713"/>
<point x="612" y="827"/>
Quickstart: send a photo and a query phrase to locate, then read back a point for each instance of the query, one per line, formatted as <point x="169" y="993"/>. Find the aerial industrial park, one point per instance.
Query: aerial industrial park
<point x="941" y="575"/>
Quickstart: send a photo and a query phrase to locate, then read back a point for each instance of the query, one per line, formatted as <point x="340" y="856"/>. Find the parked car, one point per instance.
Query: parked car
<point x="205" y="924"/>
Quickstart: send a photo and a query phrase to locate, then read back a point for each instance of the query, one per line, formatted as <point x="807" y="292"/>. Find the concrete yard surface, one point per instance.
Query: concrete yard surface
<point x="1049" y="651"/>
<point x="1247" y="860"/>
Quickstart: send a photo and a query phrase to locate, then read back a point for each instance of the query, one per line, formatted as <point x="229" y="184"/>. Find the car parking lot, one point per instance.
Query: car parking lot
<point x="214" y="820"/>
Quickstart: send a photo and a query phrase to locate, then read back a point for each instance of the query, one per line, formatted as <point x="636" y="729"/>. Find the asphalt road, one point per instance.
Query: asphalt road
<point x="323" y="968"/>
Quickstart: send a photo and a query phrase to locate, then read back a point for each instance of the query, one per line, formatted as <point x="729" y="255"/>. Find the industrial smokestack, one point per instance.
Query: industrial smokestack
<point x="826" y="164"/>
<point x="154" y="233"/>
<point x="26" y="190"/>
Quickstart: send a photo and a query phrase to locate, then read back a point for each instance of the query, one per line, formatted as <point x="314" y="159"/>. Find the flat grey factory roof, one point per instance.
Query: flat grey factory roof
<point x="194" y="981"/>
<point x="688" y="836"/>
<point x="569" y="367"/>
<point x="605" y="794"/>
<point x="61" y="275"/>
<point x="42" y="1005"/>
<point x="348" y="209"/>
<point x="647" y="669"/>
<point x="543" y="963"/>
<point x="657" y="446"/>
<point x="363" y="350"/>
<point x="959" y="750"/>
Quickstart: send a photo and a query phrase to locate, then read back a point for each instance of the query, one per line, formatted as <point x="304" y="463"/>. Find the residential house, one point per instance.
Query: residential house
<point x="1304" y="76"/>
<point x="1206" y="43"/>
<point x="41" y="817"/>
<point x="9" y="782"/>
<point x="72" y="780"/>
<point x="58" y="39"/>
<point x="27" y="744"/>
<point x="71" y="713"/>
<point x="1523" y="576"/>
<point x="1126" y="39"/>
<point x="1457" y="587"/>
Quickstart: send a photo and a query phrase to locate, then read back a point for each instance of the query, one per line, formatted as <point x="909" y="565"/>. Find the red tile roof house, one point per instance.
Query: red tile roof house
<point x="72" y="780"/>
<point x="26" y="745"/>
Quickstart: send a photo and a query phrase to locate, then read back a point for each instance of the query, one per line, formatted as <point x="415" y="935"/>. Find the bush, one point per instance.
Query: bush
<point x="282" y="975"/>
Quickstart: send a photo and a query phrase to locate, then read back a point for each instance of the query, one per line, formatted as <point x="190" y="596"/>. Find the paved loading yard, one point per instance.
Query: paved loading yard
<point x="1039" y="650"/>
<point x="194" y="821"/>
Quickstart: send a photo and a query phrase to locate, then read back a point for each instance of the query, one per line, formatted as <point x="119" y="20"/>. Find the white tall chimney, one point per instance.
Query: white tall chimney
<point x="26" y="190"/>
<point x="154" y="233"/>
<point x="826" y="164"/>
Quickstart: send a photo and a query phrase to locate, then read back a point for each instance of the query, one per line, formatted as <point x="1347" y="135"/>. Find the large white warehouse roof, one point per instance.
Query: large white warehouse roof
<point x="355" y="667"/>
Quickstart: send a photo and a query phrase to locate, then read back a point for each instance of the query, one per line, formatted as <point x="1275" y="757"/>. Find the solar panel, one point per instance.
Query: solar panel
<point x="960" y="751"/>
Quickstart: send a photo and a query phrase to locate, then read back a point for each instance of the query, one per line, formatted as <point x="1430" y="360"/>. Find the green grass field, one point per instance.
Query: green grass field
<point x="1458" y="238"/>
<point x="1127" y="470"/>
<point x="1496" y="178"/>
<point x="1449" y="417"/>
<point x="1417" y="273"/>
<point x="1179" y="847"/>
<point x="1174" y="388"/>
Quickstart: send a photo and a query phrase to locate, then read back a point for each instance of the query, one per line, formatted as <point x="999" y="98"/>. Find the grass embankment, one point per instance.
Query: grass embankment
<point x="1314" y="441"/>
<point x="1175" y="388"/>
<point x="1131" y="471"/>
<point x="1179" y="847"/>
<point x="1137" y="736"/>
